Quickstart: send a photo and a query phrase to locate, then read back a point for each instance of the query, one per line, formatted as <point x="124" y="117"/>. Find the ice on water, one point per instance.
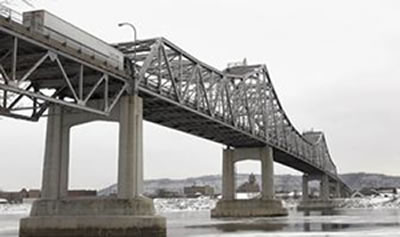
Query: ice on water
<point x="360" y="217"/>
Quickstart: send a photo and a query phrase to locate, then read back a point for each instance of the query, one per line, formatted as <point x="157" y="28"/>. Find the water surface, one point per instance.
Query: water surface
<point x="344" y="222"/>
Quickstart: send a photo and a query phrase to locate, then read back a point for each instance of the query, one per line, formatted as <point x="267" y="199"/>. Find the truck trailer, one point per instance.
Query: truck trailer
<point x="55" y="28"/>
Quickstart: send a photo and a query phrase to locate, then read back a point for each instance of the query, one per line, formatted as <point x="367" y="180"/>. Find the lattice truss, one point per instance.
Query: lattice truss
<point x="242" y="96"/>
<point x="36" y="71"/>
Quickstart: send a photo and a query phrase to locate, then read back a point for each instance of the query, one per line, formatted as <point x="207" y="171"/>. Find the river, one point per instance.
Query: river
<point x="341" y="222"/>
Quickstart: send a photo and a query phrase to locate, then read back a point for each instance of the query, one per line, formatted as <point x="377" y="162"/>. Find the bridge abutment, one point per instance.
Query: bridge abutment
<point x="128" y="214"/>
<point x="228" y="206"/>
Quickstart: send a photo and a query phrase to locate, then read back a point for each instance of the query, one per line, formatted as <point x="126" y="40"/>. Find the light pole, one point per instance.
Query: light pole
<point x="130" y="25"/>
<point x="134" y="49"/>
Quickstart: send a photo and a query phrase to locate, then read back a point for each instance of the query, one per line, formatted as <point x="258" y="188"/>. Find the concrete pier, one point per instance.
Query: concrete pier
<point x="323" y="202"/>
<point x="228" y="206"/>
<point x="337" y="190"/>
<point x="128" y="214"/>
<point x="305" y="188"/>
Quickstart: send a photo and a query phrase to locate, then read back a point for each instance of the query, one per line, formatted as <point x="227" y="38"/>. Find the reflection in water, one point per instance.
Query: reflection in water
<point x="322" y="226"/>
<point x="337" y="223"/>
<point x="331" y="221"/>
<point x="253" y="225"/>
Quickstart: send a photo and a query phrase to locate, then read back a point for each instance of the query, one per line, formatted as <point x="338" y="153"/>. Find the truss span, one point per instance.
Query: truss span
<point x="238" y="107"/>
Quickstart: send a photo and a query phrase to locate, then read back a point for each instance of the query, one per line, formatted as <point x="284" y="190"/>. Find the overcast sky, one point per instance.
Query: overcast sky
<point x="335" y="66"/>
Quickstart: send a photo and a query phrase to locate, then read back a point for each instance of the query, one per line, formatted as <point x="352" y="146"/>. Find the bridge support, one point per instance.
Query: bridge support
<point x="128" y="214"/>
<point x="130" y="165"/>
<point x="337" y="190"/>
<point x="323" y="202"/>
<point x="305" y="188"/>
<point x="228" y="206"/>
<point x="324" y="188"/>
<point x="56" y="156"/>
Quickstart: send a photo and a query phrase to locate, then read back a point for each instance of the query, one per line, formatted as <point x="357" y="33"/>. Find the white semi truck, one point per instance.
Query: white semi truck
<point x="58" y="29"/>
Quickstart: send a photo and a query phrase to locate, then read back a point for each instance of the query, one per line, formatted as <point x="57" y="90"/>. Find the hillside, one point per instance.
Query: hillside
<point x="285" y="183"/>
<point x="360" y="180"/>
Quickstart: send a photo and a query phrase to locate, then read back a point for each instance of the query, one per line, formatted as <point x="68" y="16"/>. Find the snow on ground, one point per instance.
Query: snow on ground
<point x="184" y="204"/>
<point x="206" y="203"/>
<point x="15" y="209"/>
<point x="383" y="201"/>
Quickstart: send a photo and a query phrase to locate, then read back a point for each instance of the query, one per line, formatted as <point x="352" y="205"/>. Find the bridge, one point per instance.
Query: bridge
<point x="56" y="76"/>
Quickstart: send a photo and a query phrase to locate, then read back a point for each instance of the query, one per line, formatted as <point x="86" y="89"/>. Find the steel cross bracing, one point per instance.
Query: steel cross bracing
<point x="36" y="70"/>
<point x="241" y="98"/>
<point x="237" y="107"/>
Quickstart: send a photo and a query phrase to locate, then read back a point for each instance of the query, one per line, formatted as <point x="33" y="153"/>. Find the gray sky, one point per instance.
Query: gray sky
<point x="334" y="64"/>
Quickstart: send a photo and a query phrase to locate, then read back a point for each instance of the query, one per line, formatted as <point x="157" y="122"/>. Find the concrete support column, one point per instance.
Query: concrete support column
<point x="324" y="187"/>
<point x="56" y="157"/>
<point x="130" y="164"/>
<point x="228" y="175"/>
<point x="305" y="187"/>
<point x="266" y="205"/>
<point x="337" y="190"/>
<point x="267" y="173"/>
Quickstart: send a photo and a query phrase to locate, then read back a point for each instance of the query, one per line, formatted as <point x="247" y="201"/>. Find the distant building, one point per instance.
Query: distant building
<point x="386" y="190"/>
<point x="34" y="193"/>
<point x="164" y="193"/>
<point x="368" y="191"/>
<point x="251" y="186"/>
<point x="14" y="197"/>
<point x="375" y="191"/>
<point x="195" y="191"/>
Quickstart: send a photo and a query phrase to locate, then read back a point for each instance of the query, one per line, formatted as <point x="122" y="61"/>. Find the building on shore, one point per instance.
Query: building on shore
<point x="28" y="196"/>
<point x="251" y="186"/>
<point x="164" y="193"/>
<point x="14" y="197"/>
<point x="196" y="191"/>
<point x="381" y="191"/>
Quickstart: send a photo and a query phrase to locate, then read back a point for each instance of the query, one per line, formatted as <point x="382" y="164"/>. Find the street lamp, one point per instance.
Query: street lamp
<point x="130" y="25"/>
<point x="134" y="46"/>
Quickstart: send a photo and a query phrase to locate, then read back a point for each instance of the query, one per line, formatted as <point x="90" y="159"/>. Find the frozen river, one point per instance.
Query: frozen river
<point x="349" y="222"/>
<point x="360" y="222"/>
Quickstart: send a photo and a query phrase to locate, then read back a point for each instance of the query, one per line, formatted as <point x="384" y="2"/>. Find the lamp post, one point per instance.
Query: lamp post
<point x="130" y="25"/>
<point x="134" y="49"/>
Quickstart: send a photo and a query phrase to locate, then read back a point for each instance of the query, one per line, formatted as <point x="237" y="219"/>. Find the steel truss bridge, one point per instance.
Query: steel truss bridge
<point x="238" y="107"/>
